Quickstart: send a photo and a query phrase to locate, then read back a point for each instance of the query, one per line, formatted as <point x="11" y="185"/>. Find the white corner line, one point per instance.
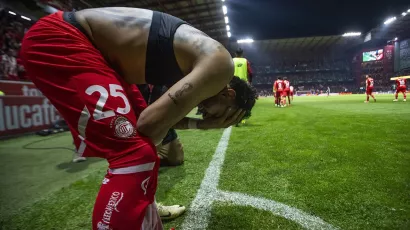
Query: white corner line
<point x="200" y="210"/>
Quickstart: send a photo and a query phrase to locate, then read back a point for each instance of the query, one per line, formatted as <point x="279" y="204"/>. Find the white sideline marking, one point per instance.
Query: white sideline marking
<point x="279" y="209"/>
<point x="200" y="210"/>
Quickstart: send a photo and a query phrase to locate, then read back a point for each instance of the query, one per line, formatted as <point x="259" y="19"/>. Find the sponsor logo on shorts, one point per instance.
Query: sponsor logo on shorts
<point x="102" y="226"/>
<point x="144" y="185"/>
<point x="111" y="206"/>
<point x="105" y="181"/>
<point x="122" y="127"/>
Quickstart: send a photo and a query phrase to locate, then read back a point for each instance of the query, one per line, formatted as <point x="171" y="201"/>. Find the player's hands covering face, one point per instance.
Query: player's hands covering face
<point x="230" y="117"/>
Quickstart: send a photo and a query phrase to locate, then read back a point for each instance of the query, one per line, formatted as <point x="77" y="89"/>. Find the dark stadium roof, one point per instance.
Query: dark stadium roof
<point x="399" y="28"/>
<point x="206" y="15"/>
<point x="319" y="43"/>
<point x="268" y="19"/>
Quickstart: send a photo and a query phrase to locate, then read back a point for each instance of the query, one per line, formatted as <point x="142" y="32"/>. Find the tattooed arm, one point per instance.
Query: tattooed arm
<point x="211" y="72"/>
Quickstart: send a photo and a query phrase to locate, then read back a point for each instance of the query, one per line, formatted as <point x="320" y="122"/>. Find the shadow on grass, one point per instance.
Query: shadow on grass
<point x="28" y="145"/>
<point x="71" y="167"/>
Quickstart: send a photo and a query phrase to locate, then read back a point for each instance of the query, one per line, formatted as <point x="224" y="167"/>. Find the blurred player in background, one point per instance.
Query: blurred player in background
<point x="369" y="88"/>
<point x="278" y="88"/>
<point x="328" y="91"/>
<point x="291" y="91"/>
<point x="401" y="88"/>
<point x="242" y="67"/>
<point x="286" y="90"/>
<point x="243" y="71"/>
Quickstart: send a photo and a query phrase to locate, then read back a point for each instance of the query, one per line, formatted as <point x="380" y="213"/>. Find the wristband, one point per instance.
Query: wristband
<point x="192" y="124"/>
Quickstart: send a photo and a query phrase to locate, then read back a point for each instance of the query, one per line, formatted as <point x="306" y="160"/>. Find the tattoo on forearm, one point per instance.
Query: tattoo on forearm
<point x="186" y="87"/>
<point x="173" y="99"/>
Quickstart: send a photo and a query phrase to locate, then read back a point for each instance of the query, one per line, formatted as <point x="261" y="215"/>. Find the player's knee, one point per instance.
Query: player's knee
<point x="172" y="153"/>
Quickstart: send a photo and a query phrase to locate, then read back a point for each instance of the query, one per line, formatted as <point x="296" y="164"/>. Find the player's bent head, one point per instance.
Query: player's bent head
<point x="237" y="94"/>
<point x="279" y="78"/>
<point x="285" y="78"/>
<point x="367" y="75"/>
<point x="239" y="52"/>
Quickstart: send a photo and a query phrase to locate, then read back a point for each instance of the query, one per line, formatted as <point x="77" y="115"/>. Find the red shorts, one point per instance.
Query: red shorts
<point x="119" y="204"/>
<point x="100" y="108"/>
<point x="291" y="93"/>
<point x="369" y="91"/>
<point x="278" y="94"/>
<point x="286" y="93"/>
<point x="401" y="90"/>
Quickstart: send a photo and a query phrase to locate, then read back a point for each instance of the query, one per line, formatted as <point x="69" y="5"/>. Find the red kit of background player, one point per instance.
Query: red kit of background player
<point x="286" y="91"/>
<point x="401" y="88"/>
<point x="369" y="88"/>
<point x="278" y="86"/>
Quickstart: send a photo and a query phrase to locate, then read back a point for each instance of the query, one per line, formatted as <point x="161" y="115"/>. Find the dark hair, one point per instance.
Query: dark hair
<point x="285" y="78"/>
<point x="279" y="78"/>
<point x="246" y="95"/>
<point x="239" y="52"/>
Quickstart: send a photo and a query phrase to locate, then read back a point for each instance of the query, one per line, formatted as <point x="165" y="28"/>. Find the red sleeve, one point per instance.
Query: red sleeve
<point x="249" y="68"/>
<point x="250" y="75"/>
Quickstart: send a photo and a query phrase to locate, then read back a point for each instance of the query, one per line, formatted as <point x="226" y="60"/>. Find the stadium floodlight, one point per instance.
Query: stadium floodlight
<point x="395" y="38"/>
<point x="11" y="12"/>
<point x="226" y="19"/>
<point x="223" y="0"/>
<point x="225" y="10"/>
<point x="24" y="17"/>
<point x="228" y="28"/>
<point x="352" y="34"/>
<point x="229" y="34"/>
<point x="404" y="14"/>
<point x="408" y="10"/>
<point x="247" y="40"/>
<point x="390" y="20"/>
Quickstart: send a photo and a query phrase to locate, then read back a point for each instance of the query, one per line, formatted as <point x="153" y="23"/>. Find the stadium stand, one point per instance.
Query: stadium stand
<point x="12" y="31"/>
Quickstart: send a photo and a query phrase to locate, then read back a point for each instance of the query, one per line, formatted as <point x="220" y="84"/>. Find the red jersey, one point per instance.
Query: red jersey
<point x="369" y="83"/>
<point x="279" y="86"/>
<point x="287" y="85"/>
<point x="401" y="83"/>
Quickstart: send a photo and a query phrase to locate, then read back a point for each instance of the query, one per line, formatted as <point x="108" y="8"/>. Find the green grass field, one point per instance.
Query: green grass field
<point x="335" y="158"/>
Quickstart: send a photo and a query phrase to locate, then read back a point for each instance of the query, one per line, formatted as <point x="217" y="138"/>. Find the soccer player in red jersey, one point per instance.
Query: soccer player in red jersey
<point x="286" y="91"/>
<point x="278" y="88"/>
<point x="369" y="88"/>
<point x="90" y="76"/>
<point x="401" y="88"/>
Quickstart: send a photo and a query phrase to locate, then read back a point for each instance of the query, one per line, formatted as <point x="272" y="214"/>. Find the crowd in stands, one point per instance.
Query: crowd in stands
<point x="315" y="88"/>
<point x="285" y="66"/>
<point x="376" y="71"/>
<point x="12" y="30"/>
<point x="312" y="76"/>
<point x="320" y="77"/>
